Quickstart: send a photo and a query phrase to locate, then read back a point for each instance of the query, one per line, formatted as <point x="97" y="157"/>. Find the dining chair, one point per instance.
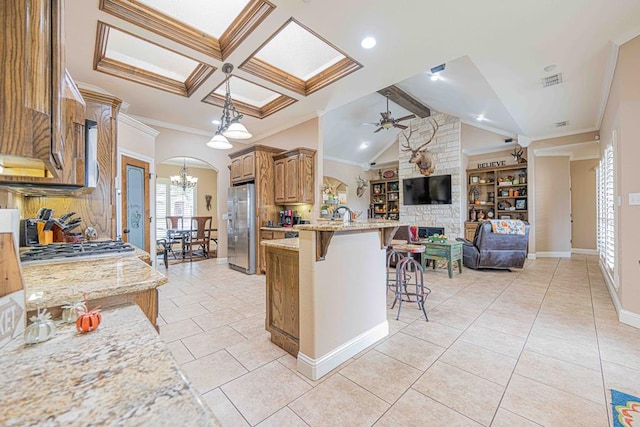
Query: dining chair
<point x="200" y="237"/>
<point x="173" y="223"/>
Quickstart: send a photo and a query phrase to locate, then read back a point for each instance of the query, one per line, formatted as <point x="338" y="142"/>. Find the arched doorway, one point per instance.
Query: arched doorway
<point x="176" y="197"/>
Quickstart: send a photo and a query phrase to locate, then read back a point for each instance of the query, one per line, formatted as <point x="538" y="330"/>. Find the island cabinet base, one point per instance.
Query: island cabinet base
<point x="147" y="300"/>
<point x="282" y="318"/>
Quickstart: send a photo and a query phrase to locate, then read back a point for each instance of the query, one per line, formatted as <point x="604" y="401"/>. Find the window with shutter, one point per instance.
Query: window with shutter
<point x="606" y="210"/>
<point x="173" y="200"/>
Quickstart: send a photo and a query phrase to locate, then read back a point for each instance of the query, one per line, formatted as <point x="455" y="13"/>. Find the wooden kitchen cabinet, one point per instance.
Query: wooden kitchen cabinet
<point x="33" y="126"/>
<point x="243" y="168"/>
<point x="97" y="207"/>
<point x="283" y="307"/>
<point x="267" y="235"/>
<point x="295" y="176"/>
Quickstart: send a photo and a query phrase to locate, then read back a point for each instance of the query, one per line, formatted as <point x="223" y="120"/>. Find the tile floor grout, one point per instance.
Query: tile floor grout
<point x="522" y="292"/>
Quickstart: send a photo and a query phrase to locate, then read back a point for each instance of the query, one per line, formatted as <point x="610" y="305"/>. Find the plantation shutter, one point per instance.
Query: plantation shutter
<point x="182" y="203"/>
<point x="162" y="202"/>
<point x="609" y="246"/>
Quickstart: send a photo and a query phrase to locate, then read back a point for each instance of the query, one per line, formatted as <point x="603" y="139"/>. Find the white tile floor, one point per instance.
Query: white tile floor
<point x="540" y="346"/>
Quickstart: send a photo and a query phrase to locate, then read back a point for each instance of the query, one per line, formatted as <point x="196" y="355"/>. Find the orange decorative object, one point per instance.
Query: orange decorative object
<point x="88" y="320"/>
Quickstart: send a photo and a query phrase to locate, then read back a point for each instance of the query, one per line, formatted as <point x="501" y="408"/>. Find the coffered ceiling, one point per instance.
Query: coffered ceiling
<point x="295" y="59"/>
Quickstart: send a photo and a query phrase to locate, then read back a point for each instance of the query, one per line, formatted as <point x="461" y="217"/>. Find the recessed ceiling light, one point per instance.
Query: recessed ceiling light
<point x="215" y="122"/>
<point x="364" y="145"/>
<point x="549" y="68"/>
<point x="436" y="77"/>
<point x="480" y="118"/>
<point x="368" y="42"/>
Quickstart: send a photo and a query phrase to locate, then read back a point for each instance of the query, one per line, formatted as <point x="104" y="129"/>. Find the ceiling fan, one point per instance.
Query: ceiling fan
<point x="388" y="122"/>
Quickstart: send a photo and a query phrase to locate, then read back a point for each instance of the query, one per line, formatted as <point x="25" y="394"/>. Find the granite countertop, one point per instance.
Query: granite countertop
<point x="370" y="224"/>
<point x="120" y="374"/>
<point x="275" y="228"/>
<point x="66" y="280"/>
<point x="291" y="244"/>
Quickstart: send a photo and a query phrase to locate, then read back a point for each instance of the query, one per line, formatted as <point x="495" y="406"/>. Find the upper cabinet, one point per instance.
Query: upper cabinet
<point x="243" y="168"/>
<point x="295" y="176"/>
<point x="41" y="111"/>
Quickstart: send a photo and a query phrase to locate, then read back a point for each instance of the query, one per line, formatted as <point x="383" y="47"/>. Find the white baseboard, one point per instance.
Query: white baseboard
<point x="553" y="254"/>
<point x="630" y="318"/>
<point x="625" y="316"/>
<point x="221" y="260"/>
<point x="317" y="368"/>
<point x="531" y="255"/>
<point x="584" y="251"/>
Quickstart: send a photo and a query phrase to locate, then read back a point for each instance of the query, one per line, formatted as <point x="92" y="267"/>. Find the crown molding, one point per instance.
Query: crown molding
<point x="128" y="120"/>
<point x="346" y="162"/>
<point x="173" y="126"/>
<point x="93" y="88"/>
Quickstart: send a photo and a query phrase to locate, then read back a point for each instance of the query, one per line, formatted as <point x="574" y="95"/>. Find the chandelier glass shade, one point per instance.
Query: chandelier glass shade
<point x="184" y="180"/>
<point x="230" y="126"/>
<point x="220" y="142"/>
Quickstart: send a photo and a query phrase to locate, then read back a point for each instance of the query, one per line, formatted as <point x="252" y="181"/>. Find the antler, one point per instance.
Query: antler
<point x="408" y="146"/>
<point x="434" y="126"/>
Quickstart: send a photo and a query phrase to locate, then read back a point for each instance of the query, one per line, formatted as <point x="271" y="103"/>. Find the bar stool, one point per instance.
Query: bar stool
<point x="393" y="257"/>
<point x="407" y="285"/>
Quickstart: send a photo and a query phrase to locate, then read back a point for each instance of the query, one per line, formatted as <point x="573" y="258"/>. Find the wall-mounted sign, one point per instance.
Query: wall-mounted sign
<point x="492" y="164"/>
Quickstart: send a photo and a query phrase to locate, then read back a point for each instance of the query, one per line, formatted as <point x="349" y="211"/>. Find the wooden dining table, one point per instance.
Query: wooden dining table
<point x="184" y="234"/>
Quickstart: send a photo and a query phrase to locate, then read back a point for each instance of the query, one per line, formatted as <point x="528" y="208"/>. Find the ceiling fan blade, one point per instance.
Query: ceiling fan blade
<point x="378" y="130"/>
<point x="370" y="124"/>
<point x="410" y="116"/>
<point x="399" y="126"/>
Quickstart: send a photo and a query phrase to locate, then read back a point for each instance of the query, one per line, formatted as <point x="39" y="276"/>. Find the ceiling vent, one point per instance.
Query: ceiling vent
<point x="562" y="124"/>
<point x="553" y="80"/>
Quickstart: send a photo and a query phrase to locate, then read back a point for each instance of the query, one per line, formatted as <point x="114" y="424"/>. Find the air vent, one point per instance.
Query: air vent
<point x="562" y="124"/>
<point x="553" y="80"/>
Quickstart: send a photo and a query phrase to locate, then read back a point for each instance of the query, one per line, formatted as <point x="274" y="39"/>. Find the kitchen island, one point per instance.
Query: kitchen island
<point x="120" y="374"/>
<point x="342" y="290"/>
<point x="107" y="281"/>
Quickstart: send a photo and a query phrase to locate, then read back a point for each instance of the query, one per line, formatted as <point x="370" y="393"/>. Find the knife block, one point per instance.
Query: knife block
<point x="58" y="234"/>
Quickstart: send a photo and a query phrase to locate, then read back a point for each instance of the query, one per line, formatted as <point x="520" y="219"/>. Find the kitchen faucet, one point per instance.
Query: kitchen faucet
<point x="340" y="211"/>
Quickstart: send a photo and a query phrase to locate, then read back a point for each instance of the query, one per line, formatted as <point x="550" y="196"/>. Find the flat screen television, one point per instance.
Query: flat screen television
<point x="427" y="190"/>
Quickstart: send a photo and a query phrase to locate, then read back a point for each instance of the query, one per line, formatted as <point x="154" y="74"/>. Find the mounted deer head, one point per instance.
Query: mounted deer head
<point x="517" y="155"/>
<point x="420" y="156"/>
<point x="361" y="185"/>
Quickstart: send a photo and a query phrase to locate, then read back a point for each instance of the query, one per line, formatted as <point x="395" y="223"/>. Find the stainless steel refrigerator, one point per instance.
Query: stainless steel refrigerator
<point x="241" y="236"/>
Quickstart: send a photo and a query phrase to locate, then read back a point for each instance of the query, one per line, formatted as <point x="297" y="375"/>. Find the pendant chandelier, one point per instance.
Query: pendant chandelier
<point x="230" y="126"/>
<point x="184" y="180"/>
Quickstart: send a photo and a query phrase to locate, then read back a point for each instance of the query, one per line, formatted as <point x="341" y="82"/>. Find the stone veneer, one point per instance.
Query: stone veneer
<point x="447" y="152"/>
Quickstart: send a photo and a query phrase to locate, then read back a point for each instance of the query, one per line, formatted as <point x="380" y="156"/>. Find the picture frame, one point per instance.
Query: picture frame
<point x="505" y="216"/>
<point x="475" y="179"/>
<point x="521" y="204"/>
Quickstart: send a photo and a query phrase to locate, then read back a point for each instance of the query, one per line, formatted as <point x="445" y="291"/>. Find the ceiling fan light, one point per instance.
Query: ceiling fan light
<point x="237" y="131"/>
<point x="387" y="125"/>
<point x="219" y="142"/>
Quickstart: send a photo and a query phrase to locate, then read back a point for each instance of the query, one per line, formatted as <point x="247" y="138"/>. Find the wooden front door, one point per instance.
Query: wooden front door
<point x="135" y="202"/>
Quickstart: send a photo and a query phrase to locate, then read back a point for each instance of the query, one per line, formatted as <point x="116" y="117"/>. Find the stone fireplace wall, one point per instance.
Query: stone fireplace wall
<point x="447" y="152"/>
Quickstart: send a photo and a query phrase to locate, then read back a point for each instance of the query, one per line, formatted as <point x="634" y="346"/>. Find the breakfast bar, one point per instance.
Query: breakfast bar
<point x="342" y="292"/>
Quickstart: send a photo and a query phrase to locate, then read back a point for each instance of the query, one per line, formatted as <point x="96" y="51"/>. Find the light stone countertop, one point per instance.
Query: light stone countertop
<point x="120" y="374"/>
<point x="66" y="280"/>
<point x="291" y="244"/>
<point x="274" y="228"/>
<point x="370" y="224"/>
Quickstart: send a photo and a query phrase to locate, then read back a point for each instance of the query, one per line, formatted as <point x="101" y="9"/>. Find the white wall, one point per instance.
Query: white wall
<point x="348" y="173"/>
<point x="172" y="143"/>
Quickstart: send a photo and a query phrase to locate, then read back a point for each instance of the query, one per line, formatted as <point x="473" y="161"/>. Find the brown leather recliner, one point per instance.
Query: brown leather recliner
<point x="492" y="250"/>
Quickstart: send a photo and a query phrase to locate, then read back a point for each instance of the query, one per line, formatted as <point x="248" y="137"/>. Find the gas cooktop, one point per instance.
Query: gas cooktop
<point x="71" y="250"/>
